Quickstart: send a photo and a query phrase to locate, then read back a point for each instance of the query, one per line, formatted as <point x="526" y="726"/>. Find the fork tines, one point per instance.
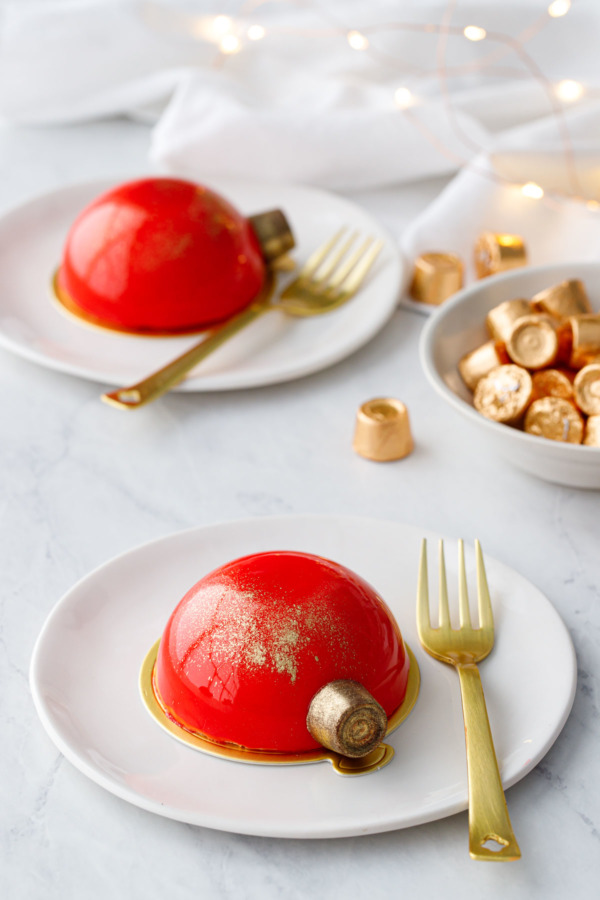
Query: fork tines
<point x="335" y="268"/>
<point x="486" y="620"/>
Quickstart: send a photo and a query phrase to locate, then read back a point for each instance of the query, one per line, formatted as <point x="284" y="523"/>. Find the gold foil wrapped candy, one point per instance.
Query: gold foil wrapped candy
<point x="556" y="419"/>
<point x="551" y="383"/>
<point x="533" y="342"/>
<point x="273" y="233"/>
<point x="498" y="252"/>
<point x="569" y="298"/>
<point x="591" y="437"/>
<point x="436" y="277"/>
<point x="344" y="717"/>
<point x="504" y="394"/>
<point x="501" y="319"/>
<point x="549" y="380"/>
<point x="585" y="339"/>
<point x="382" y="430"/>
<point x="479" y="362"/>
<point x="586" y="388"/>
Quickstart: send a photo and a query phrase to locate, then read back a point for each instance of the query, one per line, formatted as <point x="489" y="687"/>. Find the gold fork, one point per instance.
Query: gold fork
<point x="330" y="277"/>
<point x="490" y="833"/>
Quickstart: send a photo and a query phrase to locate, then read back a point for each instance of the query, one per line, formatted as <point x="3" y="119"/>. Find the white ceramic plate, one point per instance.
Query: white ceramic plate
<point x="85" y="667"/>
<point x="275" y="348"/>
<point x="459" y="326"/>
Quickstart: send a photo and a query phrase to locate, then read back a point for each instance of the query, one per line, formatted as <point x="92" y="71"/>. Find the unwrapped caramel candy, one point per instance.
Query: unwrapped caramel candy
<point x="556" y="419"/>
<point x="504" y="394"/>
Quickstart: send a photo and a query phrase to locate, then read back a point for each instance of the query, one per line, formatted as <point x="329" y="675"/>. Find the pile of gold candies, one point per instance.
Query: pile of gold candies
<point x="540" y="369"/>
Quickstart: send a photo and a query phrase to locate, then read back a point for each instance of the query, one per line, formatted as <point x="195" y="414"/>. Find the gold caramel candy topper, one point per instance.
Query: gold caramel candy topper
<point x="345" y="718"/>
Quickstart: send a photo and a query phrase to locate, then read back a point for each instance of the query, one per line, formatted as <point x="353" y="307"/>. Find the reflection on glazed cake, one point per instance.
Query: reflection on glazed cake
<point x="159" y="255"/>
<point x="251" y="644"/>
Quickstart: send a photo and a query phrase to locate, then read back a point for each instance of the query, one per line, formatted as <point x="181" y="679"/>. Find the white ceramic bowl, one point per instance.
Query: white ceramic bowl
<point x="459" y="326"/>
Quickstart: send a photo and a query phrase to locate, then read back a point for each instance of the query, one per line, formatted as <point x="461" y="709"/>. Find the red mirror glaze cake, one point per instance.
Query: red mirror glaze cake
<point x="160" y="255"/>
<point x="252" y="643"/>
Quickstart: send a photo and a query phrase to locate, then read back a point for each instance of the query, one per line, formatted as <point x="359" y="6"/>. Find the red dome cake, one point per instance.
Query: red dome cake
<point x="251" y="644"/>
<point x="160" y="255"/>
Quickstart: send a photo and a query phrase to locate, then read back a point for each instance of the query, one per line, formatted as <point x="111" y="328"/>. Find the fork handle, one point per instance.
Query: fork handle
<point x="161" y="381"/>
<point x="488" y="814"/>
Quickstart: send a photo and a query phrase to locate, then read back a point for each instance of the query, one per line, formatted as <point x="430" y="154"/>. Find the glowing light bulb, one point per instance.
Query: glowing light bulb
<point x="569" y="90"/>
<point x="532" y="190"/>
<point x="357" y="40"/>
<point x="403" y="98"/>
<point x="221" y="25"/>
<point x="256" y="33"/>
<point x="559" y="8"/>
<point x="474" y="33"/>
<point x="230" y="44"/>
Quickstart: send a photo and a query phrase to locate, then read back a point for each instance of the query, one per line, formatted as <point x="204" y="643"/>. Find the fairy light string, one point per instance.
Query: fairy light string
<point x="476" y="33"/>
<point x="232" y="34"/>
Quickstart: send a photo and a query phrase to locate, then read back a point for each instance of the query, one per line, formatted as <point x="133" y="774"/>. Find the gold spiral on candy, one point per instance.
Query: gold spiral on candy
<point x="345" y="718"/>
<point x="533" y="342"/>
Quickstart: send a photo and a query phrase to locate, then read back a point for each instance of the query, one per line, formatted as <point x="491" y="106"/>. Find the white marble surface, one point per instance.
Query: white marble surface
<point x="83" y="482"/>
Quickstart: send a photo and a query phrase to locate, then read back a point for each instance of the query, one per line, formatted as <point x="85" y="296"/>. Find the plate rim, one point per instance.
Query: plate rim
<point x="261" y="827"/>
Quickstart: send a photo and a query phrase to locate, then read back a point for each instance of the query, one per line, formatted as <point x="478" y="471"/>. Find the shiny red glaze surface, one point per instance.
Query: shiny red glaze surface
<point x="161" y="254"/>
<point x="250" y="644"/>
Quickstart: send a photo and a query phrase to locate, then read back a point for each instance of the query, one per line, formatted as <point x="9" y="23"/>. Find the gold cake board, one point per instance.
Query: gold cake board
<point x="66" y="304"/>
<point x="343" y="765"/>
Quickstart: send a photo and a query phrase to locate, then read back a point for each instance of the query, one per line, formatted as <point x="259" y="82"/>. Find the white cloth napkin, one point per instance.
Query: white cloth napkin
<point x="486" y="195"/>
<point x="301" y="105"/>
